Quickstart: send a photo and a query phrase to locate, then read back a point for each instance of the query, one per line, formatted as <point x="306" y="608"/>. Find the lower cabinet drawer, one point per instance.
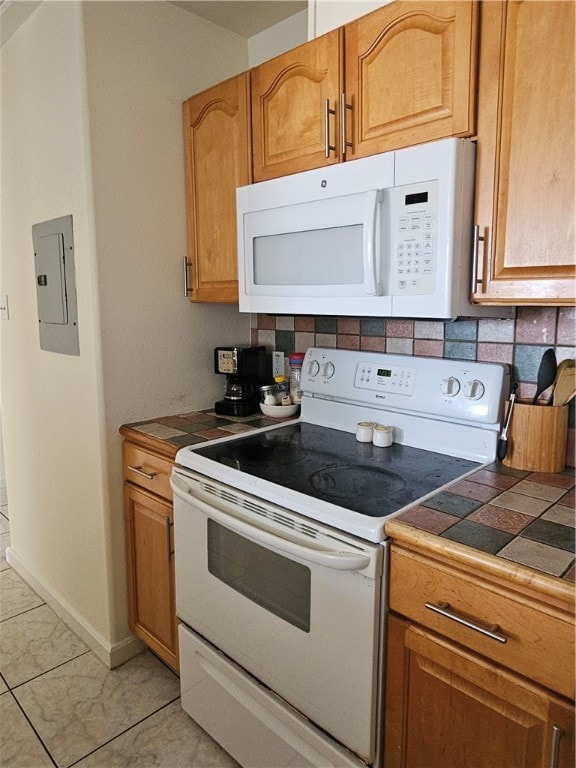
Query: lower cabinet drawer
<point x="524" y="635"/>
<point x="147" y="470"/>
<point x="252" y="724"/>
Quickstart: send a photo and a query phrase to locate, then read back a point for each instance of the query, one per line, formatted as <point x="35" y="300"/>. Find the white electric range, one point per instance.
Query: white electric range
<point x="281" y="556"/>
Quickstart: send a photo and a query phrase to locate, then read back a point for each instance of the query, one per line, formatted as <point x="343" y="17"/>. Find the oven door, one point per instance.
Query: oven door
<point x="296" y="605"/>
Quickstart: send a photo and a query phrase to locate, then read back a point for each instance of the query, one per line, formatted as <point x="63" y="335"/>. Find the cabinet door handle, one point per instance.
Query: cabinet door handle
<point x="343" y="107"/>
<point x="186" y="286"/>
<point x="167" y="525"/>
<point x="557" y="734"/>
<point x="444" y="610"/>
<point x="476" y="281"/>
<point x="140" y="471"/>
<point x="327" y="112"/>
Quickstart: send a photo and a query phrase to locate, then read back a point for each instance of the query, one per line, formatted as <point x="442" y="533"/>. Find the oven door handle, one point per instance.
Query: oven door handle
<point x="334" y="559"/>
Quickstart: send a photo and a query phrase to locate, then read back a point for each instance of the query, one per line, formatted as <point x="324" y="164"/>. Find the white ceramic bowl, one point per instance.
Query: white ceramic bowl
<point x="279" y="411"/>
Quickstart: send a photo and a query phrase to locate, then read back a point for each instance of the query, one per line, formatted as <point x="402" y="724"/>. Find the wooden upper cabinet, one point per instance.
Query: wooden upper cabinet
<point x="291" y="128"/>
<point x="217" y="146"/>
<point x="410" y="75"/>
<point x="525" y="164"/>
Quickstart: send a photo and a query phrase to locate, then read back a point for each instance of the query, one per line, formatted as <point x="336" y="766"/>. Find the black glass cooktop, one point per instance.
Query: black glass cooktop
<point x="333" y="466"/>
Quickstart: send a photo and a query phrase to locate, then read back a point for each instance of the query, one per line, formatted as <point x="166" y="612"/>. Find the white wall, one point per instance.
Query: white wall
<point x="143" y="61"/>
<point x="324" y="15"/>
<point x="51" y="410"/>
<point x="92" y="127"/>
<point x="283" y="36"/>
<point x="3" y="495"/>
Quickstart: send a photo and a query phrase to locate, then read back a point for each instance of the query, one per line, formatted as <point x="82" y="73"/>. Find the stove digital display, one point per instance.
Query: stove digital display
<point x="386" y="372"/>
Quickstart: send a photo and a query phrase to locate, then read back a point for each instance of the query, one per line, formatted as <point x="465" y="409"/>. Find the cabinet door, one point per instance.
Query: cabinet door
<point x="216" y="139"/>
<point x="151" y="590"/>
<point x="525" y="165"/>
<point x="291" y="129"/>
<point x="448" y="707"/>
<point x="410" y="75"/>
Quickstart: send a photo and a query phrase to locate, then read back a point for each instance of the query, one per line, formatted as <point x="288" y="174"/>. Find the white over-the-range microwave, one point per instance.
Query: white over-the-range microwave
<point x="389" y="235"/>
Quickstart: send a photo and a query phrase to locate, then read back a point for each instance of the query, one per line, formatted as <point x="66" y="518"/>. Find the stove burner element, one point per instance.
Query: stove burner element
<point x="279" y="453"/>
<point x="350" y="482"/>
<point x="332" y="466"/>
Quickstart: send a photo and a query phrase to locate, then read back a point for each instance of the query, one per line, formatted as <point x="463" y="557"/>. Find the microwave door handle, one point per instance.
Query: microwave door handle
<point x="373" y="201"/>
<point x="334" y="559"/>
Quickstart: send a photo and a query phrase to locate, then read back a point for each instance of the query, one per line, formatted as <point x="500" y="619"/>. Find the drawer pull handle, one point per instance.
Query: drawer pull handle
<point x="140" y="471"/>
<point x="557" y="734"/>
<point x="444" y="610"/>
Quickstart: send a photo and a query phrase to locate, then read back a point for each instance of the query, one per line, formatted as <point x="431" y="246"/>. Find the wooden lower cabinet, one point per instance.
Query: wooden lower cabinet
<point x="149" y="550"/>
<point x="480" y="660"/>
<point x="449" y="708"/>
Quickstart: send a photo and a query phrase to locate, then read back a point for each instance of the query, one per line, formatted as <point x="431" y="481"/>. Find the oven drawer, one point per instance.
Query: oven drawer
<point x="531" y="637"/>
<point x="256" y="727"/>
<point x="147" y="470"/>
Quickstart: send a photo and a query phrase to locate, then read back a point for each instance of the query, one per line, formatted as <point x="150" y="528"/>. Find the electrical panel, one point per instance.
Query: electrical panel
<point x="56" y="285"/>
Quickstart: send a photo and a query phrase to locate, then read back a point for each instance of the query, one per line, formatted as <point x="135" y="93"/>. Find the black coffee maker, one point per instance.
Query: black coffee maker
<point x="246" y="369"/>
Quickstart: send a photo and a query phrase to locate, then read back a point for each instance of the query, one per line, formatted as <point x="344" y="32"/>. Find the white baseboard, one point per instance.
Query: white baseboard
<point x="112" y="655"/>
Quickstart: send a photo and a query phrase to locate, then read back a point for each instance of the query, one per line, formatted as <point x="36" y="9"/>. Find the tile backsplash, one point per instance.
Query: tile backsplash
<point x="519" y="342"/>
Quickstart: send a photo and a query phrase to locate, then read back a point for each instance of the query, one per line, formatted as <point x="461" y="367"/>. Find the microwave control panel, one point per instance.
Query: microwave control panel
<point x="414" y="217"/>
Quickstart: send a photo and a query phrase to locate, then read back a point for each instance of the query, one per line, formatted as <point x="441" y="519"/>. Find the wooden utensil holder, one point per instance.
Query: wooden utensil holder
<point x="537" y="438"/>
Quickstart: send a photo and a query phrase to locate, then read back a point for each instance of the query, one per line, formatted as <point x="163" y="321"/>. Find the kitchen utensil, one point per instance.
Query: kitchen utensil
<point x="561" y="366"/>
<point x="502" y="446"/>
<point x="546" y="373"/>
<point x="565" y="383"/>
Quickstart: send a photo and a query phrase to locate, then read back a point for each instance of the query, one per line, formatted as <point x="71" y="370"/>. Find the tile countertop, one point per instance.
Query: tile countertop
<point x="170" y="433"/>
<point x="515" y="518"/>
<point x="505" y="519"/>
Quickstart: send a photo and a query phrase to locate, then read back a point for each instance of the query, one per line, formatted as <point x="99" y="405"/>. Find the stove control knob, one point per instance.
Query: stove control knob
<point x="313" y="368"/>
<point x="328" y="371"/>
<point x="450" y="386"/>
<point x="474" y="389"/>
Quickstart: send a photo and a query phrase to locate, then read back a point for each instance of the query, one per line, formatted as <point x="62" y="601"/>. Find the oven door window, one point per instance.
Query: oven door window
<point x="270" y="580"/>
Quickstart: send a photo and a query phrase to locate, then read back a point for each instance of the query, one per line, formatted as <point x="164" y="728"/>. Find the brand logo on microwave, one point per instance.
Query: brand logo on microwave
<point x="380" y="397"/>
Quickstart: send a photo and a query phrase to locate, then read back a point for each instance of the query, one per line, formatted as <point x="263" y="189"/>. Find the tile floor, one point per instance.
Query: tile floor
<point x="60" y="706"/>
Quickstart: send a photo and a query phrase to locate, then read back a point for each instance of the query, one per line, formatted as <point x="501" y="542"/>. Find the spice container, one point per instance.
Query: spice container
<point x="364" y="431"/>
<point x="295" y="361"/>
<point x="268" y="394"/>
<point x="282" y="390"/>
<point x="382" y="436"/>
